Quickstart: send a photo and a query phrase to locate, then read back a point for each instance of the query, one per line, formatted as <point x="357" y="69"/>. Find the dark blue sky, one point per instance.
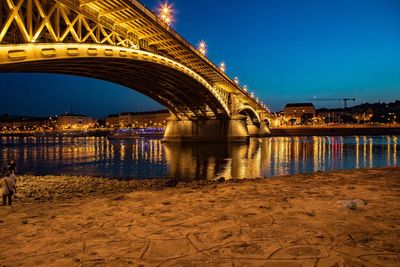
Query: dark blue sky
<point x="284" y="50"/>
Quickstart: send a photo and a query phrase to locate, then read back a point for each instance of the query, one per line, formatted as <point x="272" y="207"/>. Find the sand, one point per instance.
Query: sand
<point x="345" y="218"/>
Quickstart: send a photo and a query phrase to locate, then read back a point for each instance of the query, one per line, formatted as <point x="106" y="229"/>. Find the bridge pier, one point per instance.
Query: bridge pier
<point x="261" y="130"/>
<point x="232" y="130"/>
<point x="264" y="130"/>
<point x="253" y="129"/>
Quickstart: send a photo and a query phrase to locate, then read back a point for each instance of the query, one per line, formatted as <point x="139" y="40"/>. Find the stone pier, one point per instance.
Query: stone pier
<point x="211" y="130"/>
<point x="234" y="130"/>
<point x="261" y="130"/>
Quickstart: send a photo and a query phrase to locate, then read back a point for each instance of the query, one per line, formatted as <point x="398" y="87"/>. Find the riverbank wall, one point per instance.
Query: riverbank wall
<point x="336" y="130"/>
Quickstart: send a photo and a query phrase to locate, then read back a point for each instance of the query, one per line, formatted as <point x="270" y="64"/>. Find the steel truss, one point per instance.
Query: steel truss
<point x="51" y="21"/>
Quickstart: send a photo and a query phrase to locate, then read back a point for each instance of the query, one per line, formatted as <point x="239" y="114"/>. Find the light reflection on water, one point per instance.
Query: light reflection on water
<point x="149" y="158"/>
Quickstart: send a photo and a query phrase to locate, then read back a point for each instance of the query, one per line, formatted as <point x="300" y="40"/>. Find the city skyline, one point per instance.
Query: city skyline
<point x="289" y="51"/>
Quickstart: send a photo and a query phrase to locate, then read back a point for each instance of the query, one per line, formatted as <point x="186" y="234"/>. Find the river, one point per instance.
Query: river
<point x="151" y="158"/>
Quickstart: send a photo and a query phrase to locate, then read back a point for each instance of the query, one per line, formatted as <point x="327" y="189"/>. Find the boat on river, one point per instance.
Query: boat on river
<point x="135" y="133"/>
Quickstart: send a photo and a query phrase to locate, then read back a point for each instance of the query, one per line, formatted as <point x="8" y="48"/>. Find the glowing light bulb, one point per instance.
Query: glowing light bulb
<point x="203" y="47"/>
<point x="222" y="66"/>
<point x="245" y="88"/>
<point x="166" y="13"/>
<point x="237" y="80"/>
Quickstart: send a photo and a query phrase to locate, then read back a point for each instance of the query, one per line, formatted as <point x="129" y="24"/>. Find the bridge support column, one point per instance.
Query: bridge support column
<point x="259" y="131"/>
<point x="253" y="129"/>
<point x="211" y="130"/>
<point x="264" y="131"/>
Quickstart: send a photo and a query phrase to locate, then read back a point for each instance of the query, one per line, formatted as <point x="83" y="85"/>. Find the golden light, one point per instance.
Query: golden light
<point x="166" y="13"/>
<point x="222" y="66"/>
<point x="203" y="47"/>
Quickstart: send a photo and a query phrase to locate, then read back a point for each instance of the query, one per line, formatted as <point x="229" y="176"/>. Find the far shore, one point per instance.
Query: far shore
<point x="276" y="131"/>
<point x="342" y="218"/>
<point x="336" y="130"/>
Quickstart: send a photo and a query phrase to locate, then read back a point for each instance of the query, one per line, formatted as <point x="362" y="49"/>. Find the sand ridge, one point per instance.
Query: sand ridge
<point x="345" y="218"/>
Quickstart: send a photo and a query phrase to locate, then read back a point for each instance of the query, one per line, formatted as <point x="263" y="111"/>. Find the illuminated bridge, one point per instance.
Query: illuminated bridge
<point x="121" y="41"/>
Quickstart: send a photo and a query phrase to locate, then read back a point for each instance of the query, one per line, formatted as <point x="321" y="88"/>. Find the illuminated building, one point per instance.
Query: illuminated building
<point x="157" y="119"/>
<point x="75" y="122"/>
<point x="297" y="113"/>
<point x="17" y="123"/>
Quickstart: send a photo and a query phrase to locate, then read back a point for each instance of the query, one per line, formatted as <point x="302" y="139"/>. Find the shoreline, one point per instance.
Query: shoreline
<point x="43" y="188"/>
<point x="336" y="130"/>
<point x="349" y="217"/>
<point x="282" y="131"/>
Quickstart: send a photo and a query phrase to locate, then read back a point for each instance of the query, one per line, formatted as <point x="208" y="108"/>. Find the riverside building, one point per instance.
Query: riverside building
<point x="154" y="119"/>
<point x="75" y="122"/>
<point x="299" y="113"/>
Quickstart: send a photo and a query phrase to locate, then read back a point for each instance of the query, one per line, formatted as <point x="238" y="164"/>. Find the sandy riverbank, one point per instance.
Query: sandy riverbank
<point x="347" y="218"/>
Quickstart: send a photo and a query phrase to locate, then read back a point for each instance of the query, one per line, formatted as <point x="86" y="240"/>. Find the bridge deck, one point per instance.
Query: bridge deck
<point x="156" y="36"/>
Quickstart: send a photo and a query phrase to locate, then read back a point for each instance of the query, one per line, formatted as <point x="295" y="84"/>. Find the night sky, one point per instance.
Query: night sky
<point x="285" y="51"/>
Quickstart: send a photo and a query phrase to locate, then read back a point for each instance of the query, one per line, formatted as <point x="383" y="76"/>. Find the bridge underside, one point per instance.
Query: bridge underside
<point x="181" y="94"/>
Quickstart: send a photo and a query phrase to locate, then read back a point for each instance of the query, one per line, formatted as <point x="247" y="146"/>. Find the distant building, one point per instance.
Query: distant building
<point x="154" y="119"/>
<point x="75" y="122"/>
<point x="363" y="115"/>
<point x="21" y="123"/>
<point x="297" y="113"/>
<point x="345" y="116"/>
<point x="328" y="116"/>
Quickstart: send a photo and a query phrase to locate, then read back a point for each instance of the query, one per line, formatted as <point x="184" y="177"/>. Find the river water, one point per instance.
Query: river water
<point x="151" y="158"/>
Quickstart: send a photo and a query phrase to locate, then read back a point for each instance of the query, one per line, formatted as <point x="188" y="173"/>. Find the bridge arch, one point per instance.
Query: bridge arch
<point x="256" y="126"/>
<point x="166" y="81"/>
<point x="250" y="113"/>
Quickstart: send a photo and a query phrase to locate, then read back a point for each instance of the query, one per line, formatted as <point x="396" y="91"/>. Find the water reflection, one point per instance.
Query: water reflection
<point x="280" y="156"/>
<point x="148" y="158"/>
